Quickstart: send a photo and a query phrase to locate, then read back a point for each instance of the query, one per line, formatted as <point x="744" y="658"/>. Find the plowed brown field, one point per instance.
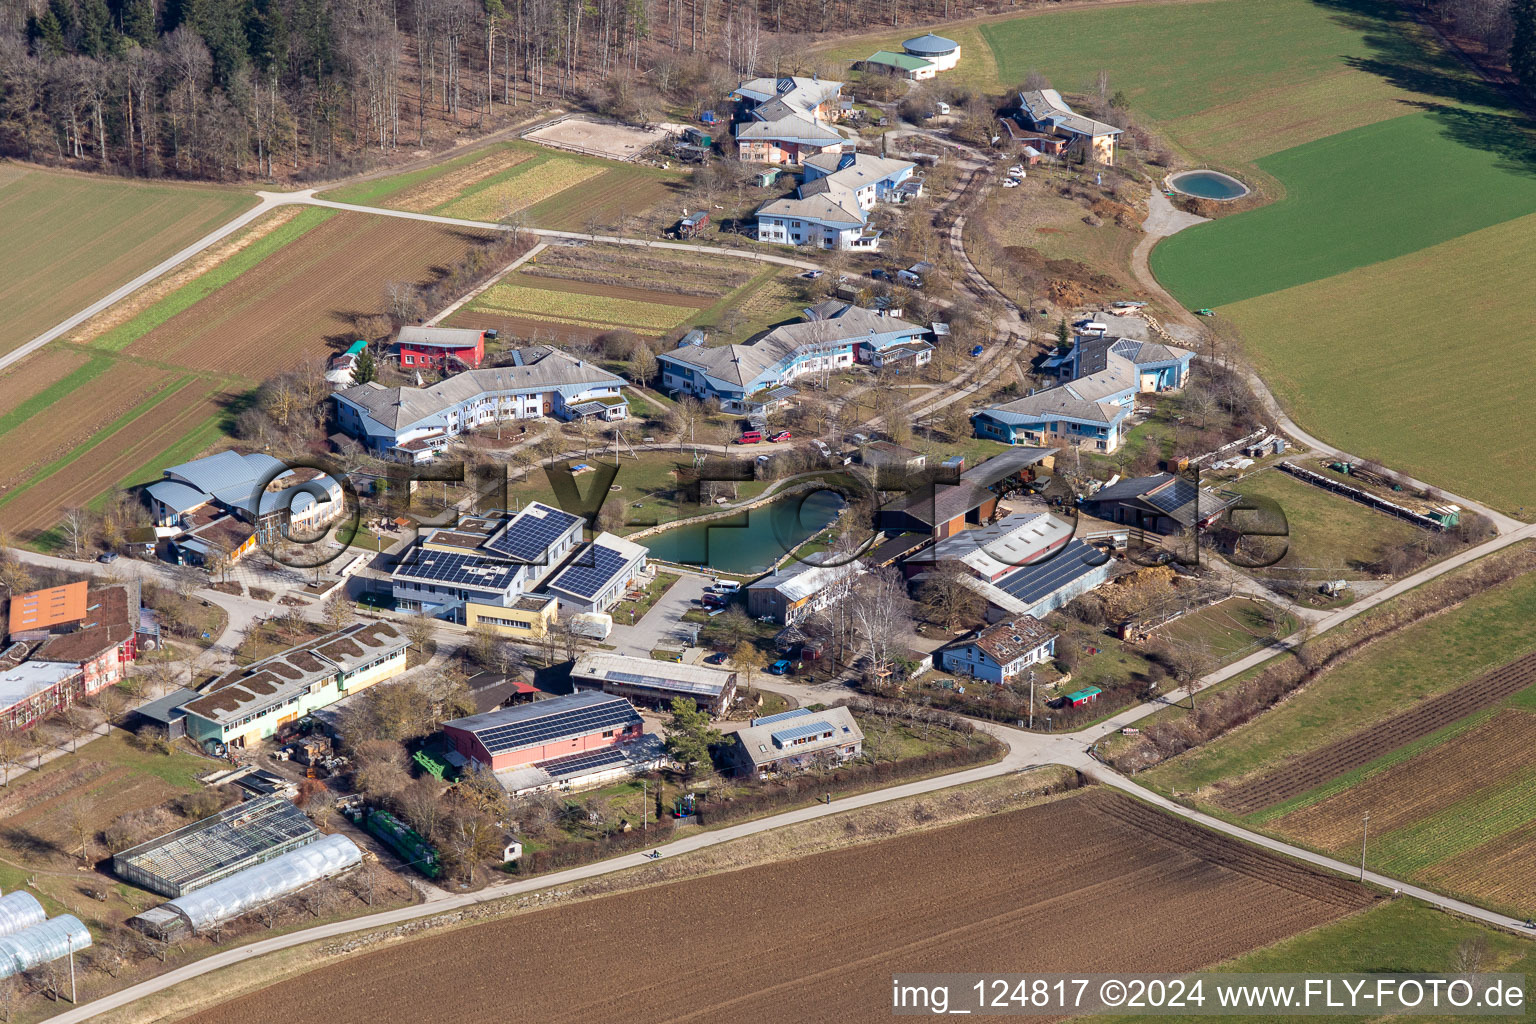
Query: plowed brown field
<point x="54" y="432"/>
<point x="105" y="466"/>
<point x="1314" y="768"/>
<point x="35" y="373"/>
<point x="1422" y="785"/>
<point x="300" y="301"/>
<point x="1095" y="881"/>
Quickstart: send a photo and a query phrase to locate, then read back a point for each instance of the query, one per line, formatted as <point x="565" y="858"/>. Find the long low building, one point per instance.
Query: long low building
<point x="800" y="590"/>
<point x="1046" y="586"/>
<point x="412" y="424"/>
<point x="253" y="703"/>
<point x="598" y="575"/>
<point x="997" y="549"/>
<point x="655" y="683"/>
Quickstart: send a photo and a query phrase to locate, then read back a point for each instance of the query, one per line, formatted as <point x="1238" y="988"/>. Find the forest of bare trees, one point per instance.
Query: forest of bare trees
<point x="301" y="88"/>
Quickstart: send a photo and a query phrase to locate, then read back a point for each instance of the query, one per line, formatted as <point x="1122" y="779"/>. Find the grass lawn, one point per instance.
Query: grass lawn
<point x="1353" y="199"/>
<point x="1328" y="534"/>
<point x="1389" y="676"/>
<point x="1353" y="394"/>
<point x="1394" y="937"/>
<point x="1230" y="630"/>
<point x="119" y="230"/>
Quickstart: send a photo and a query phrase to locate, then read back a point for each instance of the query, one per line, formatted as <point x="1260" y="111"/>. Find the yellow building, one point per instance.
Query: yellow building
<point x="529" y="618"/>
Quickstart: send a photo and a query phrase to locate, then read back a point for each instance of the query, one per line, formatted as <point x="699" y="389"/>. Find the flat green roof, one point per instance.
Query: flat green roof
<point x="1084" y="693"/>
<point x="904" y="61"/>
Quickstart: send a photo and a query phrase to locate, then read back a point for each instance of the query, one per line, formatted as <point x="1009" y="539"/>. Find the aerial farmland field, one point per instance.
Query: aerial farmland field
<point x="127" y="394"/>
<point x="69" y="239"/>
<point x="547" y="188"/>
<point x="1123" y="879"/>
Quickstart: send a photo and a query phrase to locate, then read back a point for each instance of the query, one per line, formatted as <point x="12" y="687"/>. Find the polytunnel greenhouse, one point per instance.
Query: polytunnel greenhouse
<point x="233" y="896"/>
<point x="48" y="940"/>
<point x="20" y="910"/>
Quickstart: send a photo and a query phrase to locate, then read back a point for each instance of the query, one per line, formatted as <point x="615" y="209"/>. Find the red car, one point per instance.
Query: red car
<point x="782" y="435"/>
<point x="750" y="437"/>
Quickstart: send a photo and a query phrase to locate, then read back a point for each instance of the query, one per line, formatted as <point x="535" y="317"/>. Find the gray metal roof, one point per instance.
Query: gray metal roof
<point x="930" y="45"/>
<point x="439" y="337"/>
<point x="177" y="496"/>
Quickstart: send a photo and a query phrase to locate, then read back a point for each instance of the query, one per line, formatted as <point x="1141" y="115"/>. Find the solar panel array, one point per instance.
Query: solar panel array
<point x="558" y="724"/>
<point x="784" y="737"/>
<point x="458" y="569"/>
<point x="662" y="683"/>
<point x="782" y="716"/>
<point x="1033" y="582"/>
<point x="592" y="570"/>
<point x="1171" y="499"/>
<point x="529" y="535"/>
<point x="583" y="763"/>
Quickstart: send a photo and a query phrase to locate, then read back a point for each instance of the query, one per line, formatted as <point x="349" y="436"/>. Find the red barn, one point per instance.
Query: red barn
<point x="546" y="729"/>
<point x="447" y="347"/>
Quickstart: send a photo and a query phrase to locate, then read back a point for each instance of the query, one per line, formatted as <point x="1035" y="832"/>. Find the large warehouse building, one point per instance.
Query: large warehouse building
<point x="545" y="729"/>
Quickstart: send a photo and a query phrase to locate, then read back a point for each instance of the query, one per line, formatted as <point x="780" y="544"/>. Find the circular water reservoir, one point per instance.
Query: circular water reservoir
<point x="1208" y="185"/>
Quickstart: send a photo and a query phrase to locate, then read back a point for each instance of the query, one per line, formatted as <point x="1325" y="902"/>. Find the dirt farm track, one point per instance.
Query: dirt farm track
<point x="1095" y="881"/>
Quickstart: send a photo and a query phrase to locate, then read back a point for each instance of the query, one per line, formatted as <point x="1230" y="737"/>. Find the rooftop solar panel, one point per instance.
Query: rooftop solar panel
<point x="782" y="716"/>
<point x="561" y="719"/>
<point x="662" y="683"/>
<point x="1174" y="497"/>
<point x="531" y="532"/>
<point x="594" y="569"/>
<point x="799" y="732"/>
<point x="456" y="568"/>
<point x="583" y="763"/>
<point x="1034" y="582"/>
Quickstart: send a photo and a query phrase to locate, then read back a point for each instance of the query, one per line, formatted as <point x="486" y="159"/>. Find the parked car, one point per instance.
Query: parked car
<point x="750" y="437"/>
<point x="718" y="658"/>
<point x="108" y="558"/>
<point x="727" y="586"/>
<point x="780" y="667"/>
<point x="713" y="601"/>
<point x="978" y="350"/>
<point x="781" y="436"/>
<point x="1016" y="171"/>
<point x="1010" y="183"/>
<point x="811" y="275"/>
<point x="880" y="274"/>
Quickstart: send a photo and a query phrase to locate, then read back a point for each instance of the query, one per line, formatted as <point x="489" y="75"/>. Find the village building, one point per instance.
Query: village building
<point x="655" y="683"/>
<point x="805" y="587"/>
<point x="1089" y="410"/>
<point x="830" y="209"/>
<point x="1043" y="110"/>
<point x="253" y="703"/>
<point x="1003" y="652"/>
<point x="65" y="644"/>
<point x="412" y="424"/>
<point x="993" y="551"/>
<point x="1163" y="504"/>
<point x="834" y="336"/>
<point x="796" y="740"/>
<point x="443" y="348"/>
<point x="785" y="120"/>
<point x="224" y="505"/>
<point x="598" y="575"/>
<point x="1044" y="586"/>
<point x="484" y="566"/>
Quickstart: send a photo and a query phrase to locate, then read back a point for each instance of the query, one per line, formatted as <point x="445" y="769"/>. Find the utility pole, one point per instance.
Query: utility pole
<point x="1031" y="698"/>
<point x="1364" y="834"/>
<point x="645" y="806"/>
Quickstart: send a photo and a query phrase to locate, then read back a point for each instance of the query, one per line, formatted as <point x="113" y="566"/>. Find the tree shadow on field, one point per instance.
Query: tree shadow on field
<point x="1471" y="112"/>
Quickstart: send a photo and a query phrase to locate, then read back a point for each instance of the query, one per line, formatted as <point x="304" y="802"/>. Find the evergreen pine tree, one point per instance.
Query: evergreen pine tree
<point x="364" y="369"/>
<point x="1063" y="335"/>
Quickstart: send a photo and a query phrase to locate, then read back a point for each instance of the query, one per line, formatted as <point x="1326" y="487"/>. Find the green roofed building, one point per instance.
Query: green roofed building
<point x="903" y="64"/>
<point x="1087" y="695"/>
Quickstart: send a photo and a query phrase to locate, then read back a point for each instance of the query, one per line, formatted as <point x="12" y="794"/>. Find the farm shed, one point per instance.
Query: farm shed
<point x="544" y="729"/>
<point x="42" y="942"/>
<point x="1087" y="695"/>
<point x="216" y="847"/>
<point x="274" y="879"/>
<point x="655" y="683"/>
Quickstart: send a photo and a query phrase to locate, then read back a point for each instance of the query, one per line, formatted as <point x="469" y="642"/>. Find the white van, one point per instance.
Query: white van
<point x="726" y="586"/>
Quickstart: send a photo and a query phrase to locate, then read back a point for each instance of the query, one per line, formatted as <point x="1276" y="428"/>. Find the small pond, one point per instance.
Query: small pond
<point x="1208" y="185"/>
<point x="770" y="531"/>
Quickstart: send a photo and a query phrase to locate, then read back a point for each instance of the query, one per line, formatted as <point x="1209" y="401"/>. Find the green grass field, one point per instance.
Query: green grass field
<point x="1395" y="936"/>
<point x="1353" y="394"/>
<point x="1427" y="658"/>
<point x="1328" y="535"/>
<point x="69" y="239"/>
<point x="1230" y="630"/>
<point x="1368" y="195"/>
